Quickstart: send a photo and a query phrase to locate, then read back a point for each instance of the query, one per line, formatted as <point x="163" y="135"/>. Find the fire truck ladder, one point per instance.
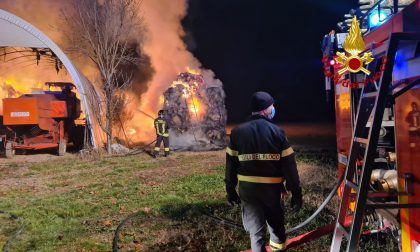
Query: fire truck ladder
<point x="371" y="106"/>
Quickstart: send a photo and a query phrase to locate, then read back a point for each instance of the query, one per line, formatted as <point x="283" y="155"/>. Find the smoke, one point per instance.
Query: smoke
<point x="44" y="14"/>
<point x="168" y="55"/>
<point x="163" y="52"/>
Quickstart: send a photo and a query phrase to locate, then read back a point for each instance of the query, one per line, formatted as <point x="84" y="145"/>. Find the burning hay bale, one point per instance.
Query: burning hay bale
<point x="196" y="114"/>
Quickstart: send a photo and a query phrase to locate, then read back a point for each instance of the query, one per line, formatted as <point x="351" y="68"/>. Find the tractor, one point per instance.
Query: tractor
<point x="42" y="120"/>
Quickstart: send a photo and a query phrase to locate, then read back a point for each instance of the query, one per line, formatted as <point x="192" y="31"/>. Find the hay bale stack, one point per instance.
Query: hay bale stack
<point x="196" y="114"/>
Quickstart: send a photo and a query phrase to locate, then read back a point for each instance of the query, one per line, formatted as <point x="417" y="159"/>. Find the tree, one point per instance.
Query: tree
<point x="105" y="31"/>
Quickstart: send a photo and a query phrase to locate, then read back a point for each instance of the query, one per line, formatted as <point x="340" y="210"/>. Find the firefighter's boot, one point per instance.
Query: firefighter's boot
<point x="275" y="247"/>
<point x="156" y="152"/>
<point x="166" y="152"/>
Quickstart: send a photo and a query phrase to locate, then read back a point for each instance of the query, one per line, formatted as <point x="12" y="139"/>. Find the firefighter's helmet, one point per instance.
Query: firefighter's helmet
<point x="161" y="112"/>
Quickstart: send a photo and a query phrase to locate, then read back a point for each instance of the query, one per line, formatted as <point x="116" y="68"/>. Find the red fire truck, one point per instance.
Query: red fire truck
<point x="392" y="36"/>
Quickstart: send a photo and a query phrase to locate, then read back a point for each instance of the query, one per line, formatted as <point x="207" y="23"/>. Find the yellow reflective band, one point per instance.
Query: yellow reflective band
<point x="258" y="156"/>
<point x="263" y="180"/>
<point x="157" y="149"/>
<point x="287" y="152"/>
<point x="277" y="246"/>
<point x="165" y="135"/>
<point x="157" y="129"/>
<point x="232" y="152"/>
<point x="166" y="149"/>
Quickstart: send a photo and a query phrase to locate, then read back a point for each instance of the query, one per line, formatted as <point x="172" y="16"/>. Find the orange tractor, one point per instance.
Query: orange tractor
<point x="44" y="120"/>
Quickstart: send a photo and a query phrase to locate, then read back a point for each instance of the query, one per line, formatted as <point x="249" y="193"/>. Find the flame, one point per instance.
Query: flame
<point x="11" y="88"/>
<point x="195" y="106"/>
<point x="168" y="56"/>
<point x="193" y="71"/>
<point x="354" y="43"/>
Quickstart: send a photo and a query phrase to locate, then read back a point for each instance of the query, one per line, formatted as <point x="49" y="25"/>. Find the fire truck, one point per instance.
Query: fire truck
<point x="378" y="124"/>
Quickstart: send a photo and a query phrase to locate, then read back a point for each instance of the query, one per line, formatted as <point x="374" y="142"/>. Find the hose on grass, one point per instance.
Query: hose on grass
<point x="320" y="208"/>
<point x="232" y="224"/>
<point x="6" y="246"/>
<point x="119" y="228"/>
<point x="139" y="150"/>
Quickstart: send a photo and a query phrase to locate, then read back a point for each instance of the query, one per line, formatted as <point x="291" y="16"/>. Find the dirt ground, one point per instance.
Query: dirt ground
<point x="33" y="158"/>
<point x="100" y="192"/>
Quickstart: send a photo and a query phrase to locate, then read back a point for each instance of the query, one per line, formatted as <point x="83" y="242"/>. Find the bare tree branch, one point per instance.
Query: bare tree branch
<point x="101" y="31"/>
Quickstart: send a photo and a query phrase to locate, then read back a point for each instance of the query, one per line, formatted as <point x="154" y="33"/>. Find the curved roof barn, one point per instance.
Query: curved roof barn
<point x="16" y="32"/>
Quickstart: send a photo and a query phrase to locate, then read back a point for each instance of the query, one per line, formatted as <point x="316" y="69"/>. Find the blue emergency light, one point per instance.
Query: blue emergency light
<point x="377" y="18"/>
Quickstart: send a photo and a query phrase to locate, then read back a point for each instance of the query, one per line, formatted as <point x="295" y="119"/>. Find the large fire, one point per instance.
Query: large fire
<point x="12" y="88"/>
<point x="191" y="82"/>
<point x="195" y="112"/>
<point x="168" y="57"/>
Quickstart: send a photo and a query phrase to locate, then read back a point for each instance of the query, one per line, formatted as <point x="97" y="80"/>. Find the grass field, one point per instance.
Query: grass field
<point x="75" y="204"/>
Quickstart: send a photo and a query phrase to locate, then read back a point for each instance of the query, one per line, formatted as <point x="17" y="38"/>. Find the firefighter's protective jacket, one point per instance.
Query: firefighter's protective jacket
<point x="162" y="127"/>
<point x="260" y="153"/>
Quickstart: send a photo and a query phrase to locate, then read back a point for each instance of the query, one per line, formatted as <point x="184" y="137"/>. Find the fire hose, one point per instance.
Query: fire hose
<point x="232" y="224"/>
<point x="320" y="208"/>
<point x="119" y="228"/>
<point x="140" y="150"/>
<point x="15" y="233"/>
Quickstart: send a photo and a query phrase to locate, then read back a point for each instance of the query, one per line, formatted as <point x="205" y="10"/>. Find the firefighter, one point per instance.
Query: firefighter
<point x="260" y="158"/>
<point x="413" y="119"/>
<point x="162" y="134"/>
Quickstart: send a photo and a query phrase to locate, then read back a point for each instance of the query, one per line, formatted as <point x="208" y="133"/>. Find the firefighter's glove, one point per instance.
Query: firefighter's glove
<point x="296" y="200"/>
<point x="233" y="197"/>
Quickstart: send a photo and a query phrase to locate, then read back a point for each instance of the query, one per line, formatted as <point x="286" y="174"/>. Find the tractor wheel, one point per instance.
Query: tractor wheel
<point x="9" y="151"/>
<point x="62" y="147"/>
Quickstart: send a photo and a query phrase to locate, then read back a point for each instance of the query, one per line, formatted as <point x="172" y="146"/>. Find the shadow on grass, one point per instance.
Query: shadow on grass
<point x="190" y="227"/>
<point x="184" y="227"/>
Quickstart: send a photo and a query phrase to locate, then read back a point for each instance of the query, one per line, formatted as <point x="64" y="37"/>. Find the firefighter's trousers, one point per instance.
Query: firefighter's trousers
<point x="261" y="204"/>
<point x="159" y="140"/>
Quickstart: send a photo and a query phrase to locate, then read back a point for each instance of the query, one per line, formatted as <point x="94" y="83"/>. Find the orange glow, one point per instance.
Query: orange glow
<point x="131" y="131"/>
<point x="161" y="100"/>
<point x="195" y="106"/>
<point x="167" y="51"/>
<point x="12" y="88"/>
<point x="17" y="88"/>
<point x="344" y="101"/>
<point x="193" y="71"/>
<point x="190" y="95"/>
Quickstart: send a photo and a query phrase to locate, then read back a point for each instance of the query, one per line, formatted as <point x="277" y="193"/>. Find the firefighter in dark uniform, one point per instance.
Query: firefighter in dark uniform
<point x="162" y="134"/>
<point x="260" y="158"/>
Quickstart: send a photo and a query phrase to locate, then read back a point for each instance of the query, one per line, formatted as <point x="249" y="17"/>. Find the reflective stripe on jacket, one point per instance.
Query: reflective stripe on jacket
<point x="260" y="153"/>
<point x="161" y="126"/>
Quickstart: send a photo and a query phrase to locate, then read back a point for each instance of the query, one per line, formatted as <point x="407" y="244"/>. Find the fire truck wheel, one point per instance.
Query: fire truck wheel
<point x="62" y="146"/>
<point x="9" y="151"/>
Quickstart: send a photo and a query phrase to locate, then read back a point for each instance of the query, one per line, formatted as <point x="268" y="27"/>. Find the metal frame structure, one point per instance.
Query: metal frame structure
<point x="16" y="32"/>
<point x="369" y="103"/>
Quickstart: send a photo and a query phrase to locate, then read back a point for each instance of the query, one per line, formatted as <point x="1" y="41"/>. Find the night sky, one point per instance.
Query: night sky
<point x="268" y="45"/>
